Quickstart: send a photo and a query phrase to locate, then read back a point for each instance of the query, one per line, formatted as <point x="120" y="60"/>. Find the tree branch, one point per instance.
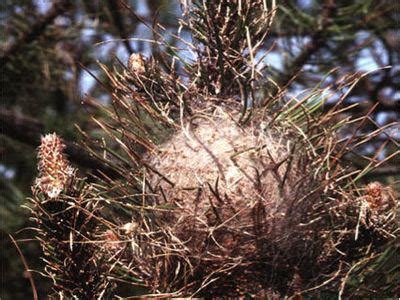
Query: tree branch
<point x="383" y="172"/>
<point x="318" y="40"/>
<point x="388" y="106"/>
<point x="35" y="30"/>
<point x="117" y="19"/>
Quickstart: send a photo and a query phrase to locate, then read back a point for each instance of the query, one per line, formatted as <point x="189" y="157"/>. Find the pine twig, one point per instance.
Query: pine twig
<point x="28" y="272"/>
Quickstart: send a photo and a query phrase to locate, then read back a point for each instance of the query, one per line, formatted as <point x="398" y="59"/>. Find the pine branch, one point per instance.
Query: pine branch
<point x="383" y="172"/>
<point x="35" y="30"/>
<point x="66" y="212"/>
<point x="317" y="41"/>
<point x="388" y="106"/>
<point x="117" y="19"/>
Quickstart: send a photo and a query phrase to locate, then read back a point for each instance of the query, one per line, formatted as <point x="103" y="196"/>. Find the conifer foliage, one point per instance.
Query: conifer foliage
<point x="66" y="223"/>
<point x="224" y="189"/>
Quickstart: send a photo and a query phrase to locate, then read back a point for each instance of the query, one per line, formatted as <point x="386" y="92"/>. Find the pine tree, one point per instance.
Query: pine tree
<point x="223" y="186"/>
